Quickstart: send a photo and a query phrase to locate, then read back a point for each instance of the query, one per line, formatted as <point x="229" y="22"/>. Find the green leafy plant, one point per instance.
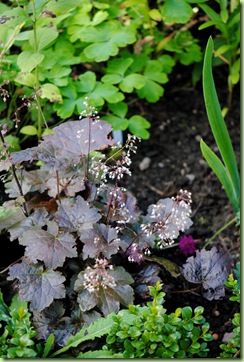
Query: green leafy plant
<point x="110" y="51"/>
<point x="18" y="338"/>
<point x="17" y="335"/>
<point x="232" y="348"/>
<point x="226" y="169"/>
<point x="227" y="43"/>
<point x="147" y="332"/>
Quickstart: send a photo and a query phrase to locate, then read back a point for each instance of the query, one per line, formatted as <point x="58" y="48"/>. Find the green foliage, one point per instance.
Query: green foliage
<point x="227" y="43"/>
<point x="18" y="338"/>
<point x="54" y="54"/>
<point x="105" y="50"/>
<point x="96" y="329"/>
<point x="17" y="334"/>
<point x="226" y="169"/>
<point x="149" y="332"/>
<point x="232" y="348"/>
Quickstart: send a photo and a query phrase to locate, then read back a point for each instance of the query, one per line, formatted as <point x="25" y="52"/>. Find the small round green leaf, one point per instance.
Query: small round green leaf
<point x="29" y="130"/>
<point x="186" y="313"/>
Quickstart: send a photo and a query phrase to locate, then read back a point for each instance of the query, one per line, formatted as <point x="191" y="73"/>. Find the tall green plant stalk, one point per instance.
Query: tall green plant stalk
<point x="226" y="169"/>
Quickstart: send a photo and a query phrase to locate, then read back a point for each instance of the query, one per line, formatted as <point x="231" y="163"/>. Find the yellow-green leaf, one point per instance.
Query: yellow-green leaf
<point x="29" y="130"/>
<point x="51" y="92"/>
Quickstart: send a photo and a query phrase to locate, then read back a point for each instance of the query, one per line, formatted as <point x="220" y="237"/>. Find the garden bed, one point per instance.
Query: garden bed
<point x="169" y="161"/>
<point x="178" y="122"/>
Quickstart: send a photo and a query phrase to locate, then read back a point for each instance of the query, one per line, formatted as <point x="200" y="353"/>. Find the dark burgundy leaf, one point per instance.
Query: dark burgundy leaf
<point x="51" y="246"/>
<point x="36" y="285"/>
<point x="77" y="217"/>
<point x="101" y="239"/>
<point x="209" y="268"/>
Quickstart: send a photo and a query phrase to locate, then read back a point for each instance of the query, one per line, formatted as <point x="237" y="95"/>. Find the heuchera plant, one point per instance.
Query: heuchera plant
<point x="78" y="226"/>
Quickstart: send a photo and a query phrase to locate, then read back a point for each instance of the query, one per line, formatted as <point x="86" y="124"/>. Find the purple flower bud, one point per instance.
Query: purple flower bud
<point x="187" y="245"/>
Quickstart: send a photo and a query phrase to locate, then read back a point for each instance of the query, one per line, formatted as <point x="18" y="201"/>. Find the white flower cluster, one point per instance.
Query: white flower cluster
<point x="168" y="217"/>
<point x="113" y="168"/>
<point x="3" y="92"/>
<point x="98" y="276"/>
<point x="118" y="206"/>
<point x="90" y="111"/>
<point x="121" y="167"/>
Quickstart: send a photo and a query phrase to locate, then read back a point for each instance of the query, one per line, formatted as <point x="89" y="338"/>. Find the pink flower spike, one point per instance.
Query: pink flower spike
<point x="187" y="245"/>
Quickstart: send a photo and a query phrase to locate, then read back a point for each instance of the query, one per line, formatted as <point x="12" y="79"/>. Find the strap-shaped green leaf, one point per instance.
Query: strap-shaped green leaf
<point x="217" y="122"/>
<point x="96" y="329"/>
<point x="220" y="171"/>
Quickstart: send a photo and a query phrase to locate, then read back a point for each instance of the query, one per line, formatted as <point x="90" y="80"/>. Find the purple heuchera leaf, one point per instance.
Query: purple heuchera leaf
<point x="38" y="218"/>
<point x="44" y="321"/>
<point x="187" y="245"/>
<point x="80" y="137"/>
<point x="52" y="320"/>
<point x="50" y="246"/>
<point x="102" y="239"/>
<point x="24" y="155"/>
<point x="211" y="269"/>
<point x="39" y="287"/>
<point x="106" y="288"/>
<point x="77" y="217"/>
<point x="71" y="141"/>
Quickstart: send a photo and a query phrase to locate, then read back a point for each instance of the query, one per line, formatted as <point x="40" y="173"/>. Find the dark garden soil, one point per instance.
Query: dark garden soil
<point x="179" y="121"/>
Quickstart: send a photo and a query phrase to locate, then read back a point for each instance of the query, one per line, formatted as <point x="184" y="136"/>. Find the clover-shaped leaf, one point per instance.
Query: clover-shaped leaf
<point x="106" y="39"/>
<point x="117" y="73"/>
<point x="50" y="246"/>
<point x="37" y="285"/>
<point x="154" y="75"/>
<point x="209" y="268"/>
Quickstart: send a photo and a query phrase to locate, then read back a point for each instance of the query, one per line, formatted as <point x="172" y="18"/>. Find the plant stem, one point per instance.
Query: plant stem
<point x="14" y="173"/>
<point x="220" y="231"/>
<point x="39" y="113"/>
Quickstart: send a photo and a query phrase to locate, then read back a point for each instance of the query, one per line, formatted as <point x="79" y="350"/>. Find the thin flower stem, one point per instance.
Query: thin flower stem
<point x="14" y="173"/>
<point x="58" y="193"/>
<point x="220" y="231"/>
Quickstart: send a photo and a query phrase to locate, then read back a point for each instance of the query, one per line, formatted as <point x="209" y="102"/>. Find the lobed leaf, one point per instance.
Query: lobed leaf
<point x="36" y="285"/>
<point x="78" y="216"/>
<point x="50" y="246"/>
<point x="43" y="37"/>
<point x="28" y="61"/>
<point x="102" y="239"/>
<point x="106" y="297"/>
<point x="209" y="268"/>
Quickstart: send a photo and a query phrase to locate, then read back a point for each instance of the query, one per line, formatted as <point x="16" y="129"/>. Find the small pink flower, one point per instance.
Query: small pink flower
<point x="187" y="245"/>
